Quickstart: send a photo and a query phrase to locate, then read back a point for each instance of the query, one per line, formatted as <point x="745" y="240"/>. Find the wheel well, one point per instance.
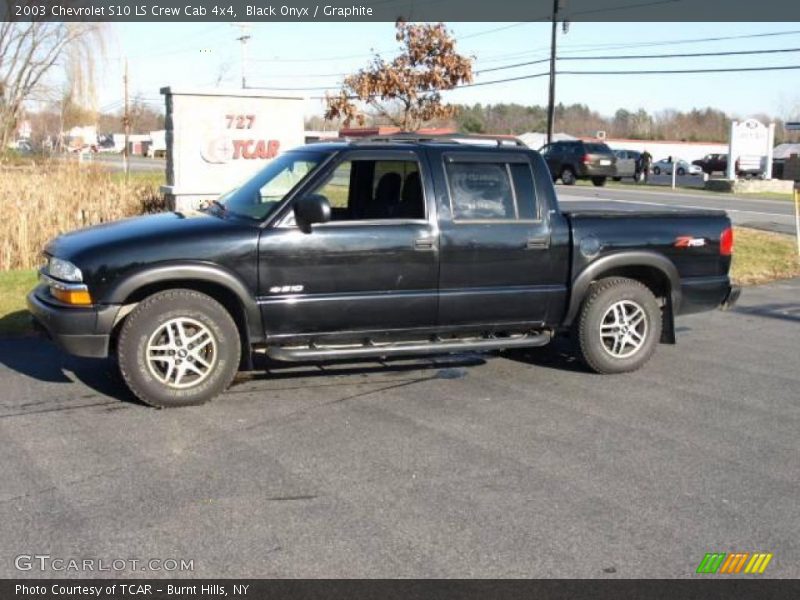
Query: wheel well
<point x="655" y="279"/>
<point x="657" y="282"/>
<point x="220" y="293"/>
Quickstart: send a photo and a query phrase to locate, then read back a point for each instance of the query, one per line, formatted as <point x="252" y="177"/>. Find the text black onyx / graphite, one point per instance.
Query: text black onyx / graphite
<point x="300" y="12"/>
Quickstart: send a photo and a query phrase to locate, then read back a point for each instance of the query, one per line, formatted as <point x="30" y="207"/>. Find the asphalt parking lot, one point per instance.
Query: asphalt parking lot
<point x="516" y="465"/>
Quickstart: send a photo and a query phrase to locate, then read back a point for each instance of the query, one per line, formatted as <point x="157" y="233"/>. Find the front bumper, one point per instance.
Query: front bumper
<point x="78" y="331"/>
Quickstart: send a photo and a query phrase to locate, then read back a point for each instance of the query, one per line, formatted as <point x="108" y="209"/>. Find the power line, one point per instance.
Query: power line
<point x="577" y="48"/>
<point x="627" y="72"/>
<point x="683" y="54"/>
<point x="583" y="57"/>
<point x="634" y="72"/>
<point x="642" y="56"/>
<point x="677" y="71"/>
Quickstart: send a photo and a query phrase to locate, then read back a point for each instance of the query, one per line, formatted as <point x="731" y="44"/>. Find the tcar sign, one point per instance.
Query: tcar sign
<point x="216" y="139"/>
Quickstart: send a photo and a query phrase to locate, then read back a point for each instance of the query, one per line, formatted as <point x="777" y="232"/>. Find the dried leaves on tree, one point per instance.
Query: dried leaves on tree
<point x="405" y="91"/>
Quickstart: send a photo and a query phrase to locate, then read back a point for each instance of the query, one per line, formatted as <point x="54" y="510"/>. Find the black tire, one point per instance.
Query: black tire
<point x="681" y="171"/>
<point x="620" y="178"/>
<point x="149" y="319"/>
<point x="568" y="176"/>
<point x="598" y="305"/>
<point x="656" y="171"/>
<point x="598" y="181"/>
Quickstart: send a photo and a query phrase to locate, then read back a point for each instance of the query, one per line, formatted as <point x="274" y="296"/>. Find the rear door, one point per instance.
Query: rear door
<point x="497" y="265"/>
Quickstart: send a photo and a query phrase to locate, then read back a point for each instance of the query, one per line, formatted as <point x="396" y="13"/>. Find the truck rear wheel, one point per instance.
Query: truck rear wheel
<point x="178" y="348"/>
<point x="599" y="181"/>
<point x="619" y="325"/>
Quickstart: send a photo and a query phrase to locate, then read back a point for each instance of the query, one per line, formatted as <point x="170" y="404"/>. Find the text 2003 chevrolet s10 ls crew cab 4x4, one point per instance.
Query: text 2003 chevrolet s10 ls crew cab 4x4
<point x="380" y="248"/>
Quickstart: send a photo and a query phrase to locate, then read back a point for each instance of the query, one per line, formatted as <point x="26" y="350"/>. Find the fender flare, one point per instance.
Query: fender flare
<point x="177" y="272"/>
<point x="640" y="258"/>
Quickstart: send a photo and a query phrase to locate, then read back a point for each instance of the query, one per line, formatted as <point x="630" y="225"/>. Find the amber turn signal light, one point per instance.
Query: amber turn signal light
<point x="76" y="297"/>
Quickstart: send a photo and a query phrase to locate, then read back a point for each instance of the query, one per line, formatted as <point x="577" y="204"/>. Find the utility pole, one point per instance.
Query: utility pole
<point x="551" y="101"/>
<point x="126" y="122"/>
<point x="243" y="38"/>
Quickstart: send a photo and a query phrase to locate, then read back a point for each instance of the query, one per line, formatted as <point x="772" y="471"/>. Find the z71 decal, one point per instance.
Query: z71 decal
<point x="687" y="241"/>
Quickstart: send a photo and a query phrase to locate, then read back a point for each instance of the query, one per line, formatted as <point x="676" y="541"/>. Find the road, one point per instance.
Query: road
<point x="517" y="465"/>
<point x="114" y="162"/>
<point x="759" y="213"/>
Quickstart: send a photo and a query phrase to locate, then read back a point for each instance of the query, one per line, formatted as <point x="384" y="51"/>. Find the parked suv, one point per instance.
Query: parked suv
<point x="378" y="248"/>
<point x="576" y="159"/>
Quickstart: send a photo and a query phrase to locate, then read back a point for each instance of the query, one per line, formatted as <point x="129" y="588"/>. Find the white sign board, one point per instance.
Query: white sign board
<point x="751" y="148"/>
<point x="216" y="139"/>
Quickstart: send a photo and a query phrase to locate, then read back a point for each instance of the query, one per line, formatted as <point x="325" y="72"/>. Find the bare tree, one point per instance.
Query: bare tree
<point x="405" y="92"/>
<point x="30" y="50"/>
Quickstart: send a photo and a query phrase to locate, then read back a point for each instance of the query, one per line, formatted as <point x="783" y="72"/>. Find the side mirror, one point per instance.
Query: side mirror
<point x="311" y="209"/>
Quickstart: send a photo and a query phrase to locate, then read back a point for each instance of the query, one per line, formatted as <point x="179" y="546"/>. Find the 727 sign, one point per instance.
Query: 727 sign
<point x="235" y="144"/>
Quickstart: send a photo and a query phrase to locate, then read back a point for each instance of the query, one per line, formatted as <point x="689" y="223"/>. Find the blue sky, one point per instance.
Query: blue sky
<point x="300" y="55"/>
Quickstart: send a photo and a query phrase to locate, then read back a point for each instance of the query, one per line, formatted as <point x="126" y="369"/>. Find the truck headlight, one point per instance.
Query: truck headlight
<point x="63" y="269"/>
<point x="65" y="281"/>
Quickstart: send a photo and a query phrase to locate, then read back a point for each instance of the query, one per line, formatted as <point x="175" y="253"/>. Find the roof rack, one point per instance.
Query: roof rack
<point x="447" y="138"/>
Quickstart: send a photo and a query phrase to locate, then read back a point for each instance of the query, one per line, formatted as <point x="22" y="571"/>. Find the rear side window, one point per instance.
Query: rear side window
<point x="491" y="191"/>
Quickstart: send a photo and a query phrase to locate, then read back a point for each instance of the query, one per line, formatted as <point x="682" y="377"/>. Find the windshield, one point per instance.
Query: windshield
<point x="261" y="194"/>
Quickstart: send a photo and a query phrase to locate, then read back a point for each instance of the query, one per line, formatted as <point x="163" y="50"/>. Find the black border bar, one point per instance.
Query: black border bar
<point x="711" y="588"/>
<point x="390" y="10"/>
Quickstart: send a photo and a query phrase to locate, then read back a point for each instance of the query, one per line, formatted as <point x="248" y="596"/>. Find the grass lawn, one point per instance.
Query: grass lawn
<point x="14" y="286"/>
<point x="758" y="257"/>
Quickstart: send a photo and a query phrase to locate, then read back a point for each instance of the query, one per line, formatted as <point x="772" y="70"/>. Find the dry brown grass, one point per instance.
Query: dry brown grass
<point x="761" y="256"/>
<point x="40" y="202"/>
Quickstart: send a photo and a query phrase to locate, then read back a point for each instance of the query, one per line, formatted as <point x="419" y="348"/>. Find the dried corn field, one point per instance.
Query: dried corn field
<point x="42" y="201"/>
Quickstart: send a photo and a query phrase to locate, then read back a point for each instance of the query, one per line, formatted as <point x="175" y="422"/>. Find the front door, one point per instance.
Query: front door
<point x="373" y="268"/>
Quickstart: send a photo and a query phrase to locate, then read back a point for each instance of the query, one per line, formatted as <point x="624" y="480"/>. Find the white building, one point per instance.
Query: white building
<point x="664" y="148"/>
<point x="535" y="140"/>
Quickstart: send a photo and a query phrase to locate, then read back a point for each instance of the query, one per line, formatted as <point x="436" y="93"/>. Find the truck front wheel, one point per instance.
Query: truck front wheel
<point x="619" y="325"/>
<point x="178" y="348"/>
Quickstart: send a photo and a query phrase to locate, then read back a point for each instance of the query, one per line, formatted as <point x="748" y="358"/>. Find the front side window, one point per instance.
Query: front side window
<point x="368" y="190"/>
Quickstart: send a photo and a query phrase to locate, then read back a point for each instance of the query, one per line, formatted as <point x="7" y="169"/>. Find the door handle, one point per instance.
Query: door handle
<point x="423" y="244"/>
<point x="542" y="243"/>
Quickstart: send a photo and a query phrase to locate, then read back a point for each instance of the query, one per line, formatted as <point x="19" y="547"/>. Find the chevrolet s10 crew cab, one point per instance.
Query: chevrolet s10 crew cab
<point x="385" y="247"/>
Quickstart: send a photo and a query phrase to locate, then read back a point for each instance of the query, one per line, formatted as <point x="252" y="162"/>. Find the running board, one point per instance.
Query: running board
<point x="311" y="353"/>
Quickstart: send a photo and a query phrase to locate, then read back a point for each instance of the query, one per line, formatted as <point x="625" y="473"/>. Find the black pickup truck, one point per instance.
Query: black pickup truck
<point x="378" y="248"/>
